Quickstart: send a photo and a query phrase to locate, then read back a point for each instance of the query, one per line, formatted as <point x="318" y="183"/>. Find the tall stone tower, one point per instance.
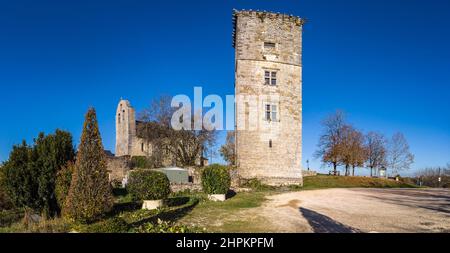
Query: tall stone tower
<point x="125" y="128"/>
<point x="128" y="142"/>
<point x="268" y="87"/>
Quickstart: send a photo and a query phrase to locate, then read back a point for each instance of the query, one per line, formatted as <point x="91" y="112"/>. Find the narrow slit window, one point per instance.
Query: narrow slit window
<point x="119" y="118"/>
<point x="270" y="143"/>
<point x="142" y="146"/>
<point x="268" y="112"/>
<point x="269" y="45"/>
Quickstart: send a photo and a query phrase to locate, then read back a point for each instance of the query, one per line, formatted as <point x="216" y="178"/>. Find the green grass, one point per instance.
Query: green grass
<point x="325" y="181"/>
<point x="230" y="215"/>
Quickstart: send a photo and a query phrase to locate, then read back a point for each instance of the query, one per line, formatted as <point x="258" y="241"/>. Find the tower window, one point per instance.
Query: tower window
<point x="268" y="112"/>
<point x="270" y="77"/>
<point x="269" y="45"/>
<point x="119" y="118"/>
<point x="270" y="143"/>
<point x="142" y="147"/>
<point x="271" y="112"/>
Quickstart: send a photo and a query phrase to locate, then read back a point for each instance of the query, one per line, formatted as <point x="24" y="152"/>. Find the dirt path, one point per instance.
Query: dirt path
<point x="357" y="210"/>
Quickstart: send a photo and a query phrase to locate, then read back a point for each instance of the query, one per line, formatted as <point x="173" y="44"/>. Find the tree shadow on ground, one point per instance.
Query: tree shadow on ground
<point x="230" y="194"/>
<point x="324" y="224"/>
<point x="174" y="213"/>
<point x="177" y="201"/>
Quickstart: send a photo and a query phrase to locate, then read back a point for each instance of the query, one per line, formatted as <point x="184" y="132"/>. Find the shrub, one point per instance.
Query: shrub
<point x="90" y="194"/>
<point x="216" y="179"/>
<point x="256" y="185"/>
<point x="113" y="225"/>
<point x="56" y="225"/>
<point x="167" y="227"/>
<point x="148" y="185"/>
<point x="5" y="201"/>
<point x="8" y="217"/>
<point x="63" y="180"/>
<point x="141" y="162"/>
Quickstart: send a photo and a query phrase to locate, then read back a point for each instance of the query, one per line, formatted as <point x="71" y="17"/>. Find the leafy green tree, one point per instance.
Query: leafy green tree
<point x="30" y="172"/>
<point x="90" y="194"/>
<point x="20" y="178"/>
<point x="52" y="152"/>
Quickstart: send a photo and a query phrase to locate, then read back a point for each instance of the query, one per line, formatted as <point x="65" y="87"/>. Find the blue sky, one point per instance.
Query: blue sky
<point x="386" y="63"/>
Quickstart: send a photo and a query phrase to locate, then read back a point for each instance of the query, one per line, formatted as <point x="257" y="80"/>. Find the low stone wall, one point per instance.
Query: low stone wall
<point x="309" y="173"/>
<point x="281" y="181"/>
<point x="182" y="187"/>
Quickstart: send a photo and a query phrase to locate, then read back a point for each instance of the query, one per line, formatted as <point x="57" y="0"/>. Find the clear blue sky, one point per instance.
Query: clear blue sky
<point x="386" y="63"/>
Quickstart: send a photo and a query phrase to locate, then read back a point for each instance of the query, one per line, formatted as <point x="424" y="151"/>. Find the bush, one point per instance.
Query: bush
<point x="8" y="217"/>
<point x="256" y="185"/>
<point x="167" y="227"/>
<point x="113" y="225"/>
<point x="141" y="162"/>
<point x="148" y="185"/>
<point x="63" y="180"/>
<point x="5" y="201"/>
<point x="216" y="179"/>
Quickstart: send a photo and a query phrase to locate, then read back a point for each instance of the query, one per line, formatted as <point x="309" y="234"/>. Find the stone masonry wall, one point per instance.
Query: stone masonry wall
<point x="280" y="163"/>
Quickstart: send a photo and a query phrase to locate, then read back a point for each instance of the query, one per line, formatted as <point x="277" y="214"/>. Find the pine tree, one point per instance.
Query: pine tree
<point x="90" y="193"/>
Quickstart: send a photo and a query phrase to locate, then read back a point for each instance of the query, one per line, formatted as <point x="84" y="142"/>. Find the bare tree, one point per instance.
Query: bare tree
<point x="434" y="177"/>
<point x="353" y="152"/>
<point x="183" y="147"/>
<point x="329" y="146"/>
<point x="376" y="151"/>
<point x="399" y="156"/>
<point x="227" y="151"/>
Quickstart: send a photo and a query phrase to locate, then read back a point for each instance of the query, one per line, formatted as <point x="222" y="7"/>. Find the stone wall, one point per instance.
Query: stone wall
<point x="309" y="173"/>
<point x="118" y="167"/>
<point x="268" y="150"/>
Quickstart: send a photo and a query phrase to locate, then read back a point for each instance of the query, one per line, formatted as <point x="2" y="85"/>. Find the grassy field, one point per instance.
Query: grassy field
<point x="192" y="212"/>
<point x="325" y="181"/>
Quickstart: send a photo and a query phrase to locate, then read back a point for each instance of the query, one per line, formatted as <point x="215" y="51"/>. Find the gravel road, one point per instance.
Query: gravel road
<point x="358" y="210"/>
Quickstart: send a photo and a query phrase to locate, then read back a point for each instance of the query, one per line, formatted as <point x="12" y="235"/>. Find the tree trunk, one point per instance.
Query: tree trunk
<point x="346" y="170"/>
<point x="353" y="171"/>
<point x="371" y="171"/>
<point x="335" y="168"/>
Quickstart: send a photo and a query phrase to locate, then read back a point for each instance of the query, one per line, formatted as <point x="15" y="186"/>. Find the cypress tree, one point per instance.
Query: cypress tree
<point x="90" y="194"/>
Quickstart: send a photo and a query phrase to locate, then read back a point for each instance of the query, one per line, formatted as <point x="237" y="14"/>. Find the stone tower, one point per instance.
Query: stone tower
<point x="268" y="87"/>
<point x="125" y="128"/>
<point x="128" y="142"/>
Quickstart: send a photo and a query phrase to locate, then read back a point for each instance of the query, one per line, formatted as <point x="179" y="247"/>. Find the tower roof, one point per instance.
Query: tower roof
<point x="124" y="101"/>
<point x="263" y="14"/>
